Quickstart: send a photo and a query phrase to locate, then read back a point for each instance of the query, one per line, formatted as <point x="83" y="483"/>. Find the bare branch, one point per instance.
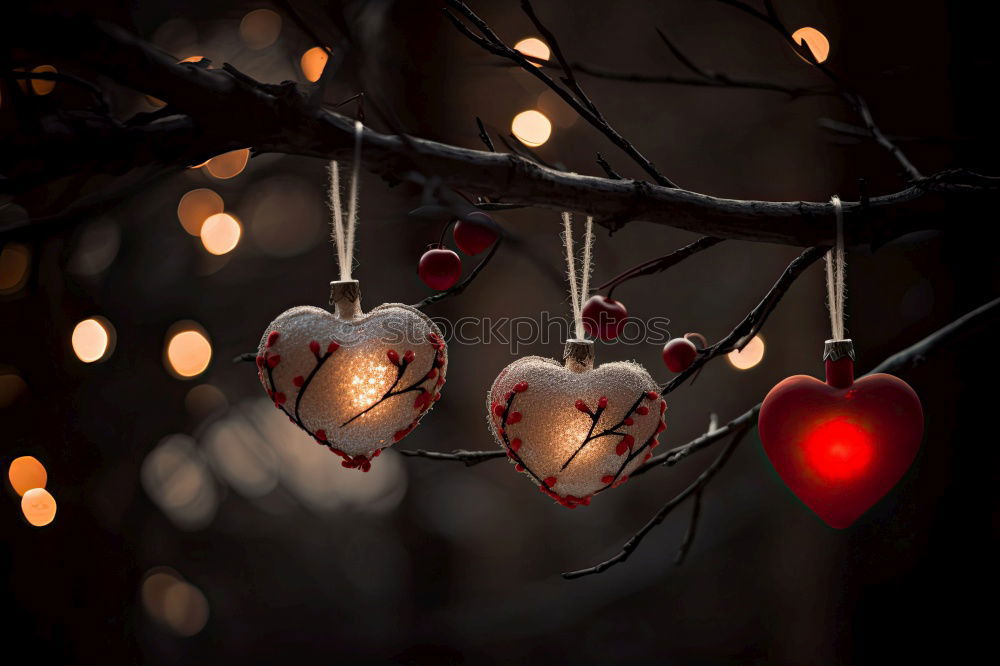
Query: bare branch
<point x="469" y="458"/>
<point x="574" y="96"/>
<point x="673" y="503"/>
<point x="660" y="264"/>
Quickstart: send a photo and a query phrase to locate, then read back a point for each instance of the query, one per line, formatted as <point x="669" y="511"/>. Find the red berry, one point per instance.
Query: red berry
<point x="473" y="236"/>
<point x="439" y="268"/>
<point x="604" y="317"/>
<point x="679" y="354"/>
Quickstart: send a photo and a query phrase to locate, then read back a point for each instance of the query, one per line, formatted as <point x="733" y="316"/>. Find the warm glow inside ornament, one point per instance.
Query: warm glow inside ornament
<point x="574" y="429"/>
<point x="356" y="382"/>
<point x="843" y="444"/>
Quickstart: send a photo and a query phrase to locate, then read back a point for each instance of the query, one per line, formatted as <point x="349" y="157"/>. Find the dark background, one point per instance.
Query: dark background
<point x="429" y="562"/>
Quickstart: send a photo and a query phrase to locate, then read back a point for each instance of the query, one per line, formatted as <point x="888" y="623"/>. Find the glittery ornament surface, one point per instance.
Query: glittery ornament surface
<point x="575" y="433"/>
<point x="356" y="385"/>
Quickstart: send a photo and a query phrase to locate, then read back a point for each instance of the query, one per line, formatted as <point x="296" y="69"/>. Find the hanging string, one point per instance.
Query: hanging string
<point x="343" y="234"/>
<point x="836" y="290"/>
<point x="579" y="281"/>
<point x="574" y="297"/>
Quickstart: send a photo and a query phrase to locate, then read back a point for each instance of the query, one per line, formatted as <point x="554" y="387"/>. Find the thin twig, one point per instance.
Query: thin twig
<point x="469" y="458"/>
<point x="665" y="511"/>
<point x="485" y="136"/>
<point x="660" y="264"/>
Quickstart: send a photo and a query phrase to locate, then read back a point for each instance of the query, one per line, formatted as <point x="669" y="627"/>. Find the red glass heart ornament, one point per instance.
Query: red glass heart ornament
<point x="840" y="446"/>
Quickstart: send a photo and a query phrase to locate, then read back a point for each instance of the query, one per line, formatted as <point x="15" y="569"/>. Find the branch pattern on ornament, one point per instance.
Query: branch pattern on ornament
<point x="269" y="360"/>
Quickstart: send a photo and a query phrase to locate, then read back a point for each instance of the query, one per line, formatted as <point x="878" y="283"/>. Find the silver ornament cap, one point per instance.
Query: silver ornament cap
<point x="835" y="350"/>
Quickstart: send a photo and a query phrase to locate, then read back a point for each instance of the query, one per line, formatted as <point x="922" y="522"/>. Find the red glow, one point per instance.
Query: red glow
<point x="838" y="450"/>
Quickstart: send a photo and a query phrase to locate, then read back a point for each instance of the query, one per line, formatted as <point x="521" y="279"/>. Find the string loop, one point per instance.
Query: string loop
<point x="579" y="280"/>
<point x="343" y="234"/>
<point x="836" y="289"/>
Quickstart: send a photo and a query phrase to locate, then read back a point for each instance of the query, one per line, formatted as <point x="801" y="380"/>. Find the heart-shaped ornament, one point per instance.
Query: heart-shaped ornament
<point x="573" y="429"/>
<point x="840" y="446"/>
<point x="354" y="382"/>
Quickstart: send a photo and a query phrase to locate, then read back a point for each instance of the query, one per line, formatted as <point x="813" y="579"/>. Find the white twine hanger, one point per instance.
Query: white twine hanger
<point x="578" y="291"/>
<point x="836" y="290"/>
<point x="343" y="239"/>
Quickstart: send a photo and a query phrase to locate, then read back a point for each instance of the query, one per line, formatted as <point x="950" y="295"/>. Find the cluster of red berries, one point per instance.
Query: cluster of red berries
<point x="439" y="267"/>
<point x="605" y="318"/>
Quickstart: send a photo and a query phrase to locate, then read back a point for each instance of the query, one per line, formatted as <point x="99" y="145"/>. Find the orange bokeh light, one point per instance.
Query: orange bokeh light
<point x="749" y="356"/>
<point x="228" y="165"/>
<point x="815" y="41"/>
<point x="313" y="62"/>
<point x="26" y="473"/>
<point x="188" y="353"/>
<point x="838" y="450"/>
<point x="535" y="48"/>
<point x="38" y="506"/>
<point x="14" y="261"/>
<point x="41" y="86"/>
<point x="260" y="28"/>
<point x="93" y="339"/>
<point x="531" y="127"/>
<point x="220" y="234"/>
<point x="197" y="206"/>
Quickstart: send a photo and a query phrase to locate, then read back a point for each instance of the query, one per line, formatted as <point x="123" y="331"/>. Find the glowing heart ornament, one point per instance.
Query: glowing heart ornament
<point x="840" y="446"/>
<point x="356" y="382"/>
<point x="573" y="429"/>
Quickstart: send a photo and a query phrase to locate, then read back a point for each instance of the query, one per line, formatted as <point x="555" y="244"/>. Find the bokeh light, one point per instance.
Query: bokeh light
<point x="25" y="473"/>
<point x="38" y="506"/>
<point x="228" y="165"/>
<point x="815" y="41"/>
<point x="197" y="206"/>
<point x="12" y="387"/>
<point x="176" y="478"/>
<point x="260" y="28"/>
<point x="41" y="86"/>
<point x="174" y="603"/>
<point x="14" y="262"/>
<point x="313" y="62"/>
<point x="751" y="355"/>
<point x="220" y="233"/>
<point x="204" y="400"/>
<point x="96" y="248"/>
<point x="285" y="216"/>
<point x="534" y="47"/>
<point x="188" y="351"/>
<point x="93" y="339"/>
<point x="531" y="127"/>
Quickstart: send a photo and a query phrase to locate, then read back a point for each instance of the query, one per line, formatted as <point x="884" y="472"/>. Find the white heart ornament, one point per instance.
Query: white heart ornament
<point x="573" y="429"/>
<point x="354" y="382"/>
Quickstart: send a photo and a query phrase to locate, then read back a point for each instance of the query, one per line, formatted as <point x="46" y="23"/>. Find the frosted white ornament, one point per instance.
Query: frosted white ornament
<point x="355" y="382"/>
<point x="575" y="430"/>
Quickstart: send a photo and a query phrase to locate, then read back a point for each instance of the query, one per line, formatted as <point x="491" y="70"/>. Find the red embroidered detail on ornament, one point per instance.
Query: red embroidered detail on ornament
<point x="497" y="409"/>
<point x="513" y="418"/>
<point x="550" y="481"/>
<point x="629" y="421"/>
<point x="582" y="406"/>
<point x="519" y="467"/>
<point x="515" y="444"/>
<point x="321" y="435"/>
<point x="422" y="401"/>
<point x="408" y="356"/>
<point x="260" y="362"/>
<point x="520" y="387"/>
<point x="332" y="347"/>
<point x="432" y="374"/>
<point x="393" y="356"/>
<point x="273" y="361"/>
<point x="279" y="398"/>
<point x="607" y="478"/>
<point x="298" y="380"/>
<point x="663" y="406"/>
<point x="620" y="481"/>
<point x="652" y="395"/>
<point x="272" y="338"/>
<point x="642" y="410"/>
<point x="602" y="402"/>
<point x="660" y="428"/>
<point x="314" y="348"/>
